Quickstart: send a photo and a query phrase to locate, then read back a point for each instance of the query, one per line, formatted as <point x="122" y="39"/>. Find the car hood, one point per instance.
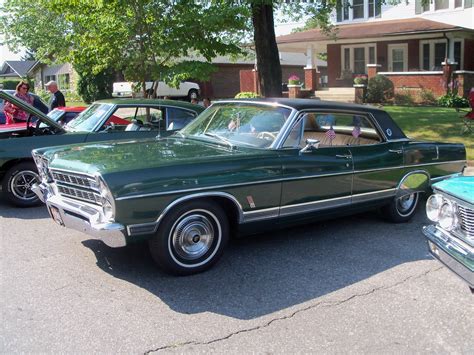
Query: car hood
<point x="121" y="156"/>
<point x="30" y="109"/>
<point x="460" y="187"/>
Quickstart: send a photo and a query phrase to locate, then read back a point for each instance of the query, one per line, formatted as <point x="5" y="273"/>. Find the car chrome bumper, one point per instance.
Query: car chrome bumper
<point x="455" y="254"/>
<point x="80" y="217"/>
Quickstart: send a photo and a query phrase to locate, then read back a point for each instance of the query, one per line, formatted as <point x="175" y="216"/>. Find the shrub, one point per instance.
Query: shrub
<point x="452" y="100"/>
<point x="427" y="97"/>
<point x="379" y="89"/>
<point x="92" y="87"/>
<point x="247" y="95"/>
<point x="403" y="99"/>
<point x="45" y="95"/>
<point x="10" y="84"/>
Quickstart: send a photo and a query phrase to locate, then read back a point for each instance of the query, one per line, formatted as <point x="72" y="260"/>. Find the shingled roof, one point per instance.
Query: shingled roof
<point x="19" y="67"/>
<point x="371" y="29"/>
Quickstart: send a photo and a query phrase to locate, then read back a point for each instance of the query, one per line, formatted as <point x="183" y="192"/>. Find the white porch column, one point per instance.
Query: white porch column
<point x="310" y="57"/>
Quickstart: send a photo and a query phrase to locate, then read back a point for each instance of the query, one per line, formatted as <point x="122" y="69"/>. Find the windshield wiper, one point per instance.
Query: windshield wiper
<point x="222" y="139"/>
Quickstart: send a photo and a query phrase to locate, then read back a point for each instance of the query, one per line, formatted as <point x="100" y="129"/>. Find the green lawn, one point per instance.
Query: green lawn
<point x="75" y="103"/>
<point x="432" y="124"/>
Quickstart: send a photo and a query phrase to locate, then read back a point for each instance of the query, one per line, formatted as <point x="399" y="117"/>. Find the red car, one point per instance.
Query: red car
<point x="63" y="115"/>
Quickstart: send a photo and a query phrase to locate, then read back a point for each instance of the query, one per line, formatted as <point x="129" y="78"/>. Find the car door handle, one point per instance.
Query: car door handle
<point x="343" y="156"/>
<point x="398" y="151"/>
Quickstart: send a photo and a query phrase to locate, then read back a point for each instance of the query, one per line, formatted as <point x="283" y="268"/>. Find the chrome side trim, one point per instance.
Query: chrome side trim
<point x="374" y="195"/>
<point x="315" y="206"/>
<point x="262" y="214"/>
<point x="441" y="178"/>
<point x="146" y="228"/>
<point x="277" y="180"/>
<point x="409" y="183"/>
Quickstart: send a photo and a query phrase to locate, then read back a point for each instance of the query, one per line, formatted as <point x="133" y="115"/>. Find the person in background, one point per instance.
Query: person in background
<point x="57" y="97"/>
<point x="14" y="114"/>
<point x="206" y="102"/>
<point x="194" y="101"/>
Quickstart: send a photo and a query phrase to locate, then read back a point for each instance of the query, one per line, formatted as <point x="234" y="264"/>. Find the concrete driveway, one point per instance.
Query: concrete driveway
<point x="352" y="285"/>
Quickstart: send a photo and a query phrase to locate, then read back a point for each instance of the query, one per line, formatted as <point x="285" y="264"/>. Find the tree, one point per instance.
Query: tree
<point x="146" y="39"/>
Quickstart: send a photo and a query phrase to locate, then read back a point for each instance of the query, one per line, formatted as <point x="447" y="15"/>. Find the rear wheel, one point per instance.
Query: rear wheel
<point x="191" y="238"/>
<point x="401" y="209"/>
<point x="17" y="185"/>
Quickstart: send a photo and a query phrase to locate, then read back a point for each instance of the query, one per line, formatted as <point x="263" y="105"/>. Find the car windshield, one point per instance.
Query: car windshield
<point x="55" y="115"/>
<point x="89" y="118"/>
<point x="239" y="124"/>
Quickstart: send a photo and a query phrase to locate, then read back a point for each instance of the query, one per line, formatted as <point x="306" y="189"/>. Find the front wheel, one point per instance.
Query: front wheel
<point x="191" y="238"/>
<point x="401" y="209"/>
<point x="17" y="184"/>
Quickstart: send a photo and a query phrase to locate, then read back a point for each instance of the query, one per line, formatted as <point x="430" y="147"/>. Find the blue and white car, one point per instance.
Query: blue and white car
<point x="451" y="238"/>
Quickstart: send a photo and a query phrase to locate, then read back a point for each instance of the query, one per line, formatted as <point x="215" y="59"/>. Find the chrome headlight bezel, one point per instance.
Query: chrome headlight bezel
<point x="106" y="199"/>
<point x="42" y="166"/>
<point x="433" y="207"/>
<point x="448" y="219"/>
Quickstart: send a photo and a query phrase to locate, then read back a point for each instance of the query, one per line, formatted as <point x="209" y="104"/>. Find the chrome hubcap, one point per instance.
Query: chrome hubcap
<point x="193" y="236"/>
<point x="22" y="183"/>
<point x="406" y="203"/>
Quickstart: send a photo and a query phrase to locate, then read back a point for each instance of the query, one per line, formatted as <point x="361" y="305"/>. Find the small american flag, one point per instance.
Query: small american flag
<point x="356" y="132"/>
<point x="331" y="135"/>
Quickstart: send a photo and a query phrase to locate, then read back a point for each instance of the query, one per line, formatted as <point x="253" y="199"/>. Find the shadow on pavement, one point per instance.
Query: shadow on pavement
<point x="266" y="273"/>
<point x="9" y="211"/>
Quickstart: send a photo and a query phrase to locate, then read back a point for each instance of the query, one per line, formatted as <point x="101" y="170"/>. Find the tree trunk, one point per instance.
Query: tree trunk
<point x="268" y="59"/>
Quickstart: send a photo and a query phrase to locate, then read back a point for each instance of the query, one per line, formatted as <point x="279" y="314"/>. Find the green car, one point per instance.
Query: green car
<point x="103" y="121"/>
<point x="242" y="167"/>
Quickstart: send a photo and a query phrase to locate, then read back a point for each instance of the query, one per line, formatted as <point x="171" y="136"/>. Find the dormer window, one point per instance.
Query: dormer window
<point x="358" y="9"/>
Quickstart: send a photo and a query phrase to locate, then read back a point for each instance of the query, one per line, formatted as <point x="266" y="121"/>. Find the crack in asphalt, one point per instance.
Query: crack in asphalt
<point x="314" y="306"/>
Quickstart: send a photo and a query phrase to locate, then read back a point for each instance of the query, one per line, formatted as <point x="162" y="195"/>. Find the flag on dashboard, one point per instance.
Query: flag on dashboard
<point x="331" y="135"/>
<point x="356" y="132"/>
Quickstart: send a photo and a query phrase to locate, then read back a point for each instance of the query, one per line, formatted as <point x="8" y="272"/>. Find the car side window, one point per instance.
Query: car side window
<point x="178" y="118"/>
<point x="333" y="129"/>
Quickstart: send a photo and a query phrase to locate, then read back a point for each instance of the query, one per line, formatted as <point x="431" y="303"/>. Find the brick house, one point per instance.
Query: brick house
<point x="234" y="76"/>
<point x="402" y="42"/>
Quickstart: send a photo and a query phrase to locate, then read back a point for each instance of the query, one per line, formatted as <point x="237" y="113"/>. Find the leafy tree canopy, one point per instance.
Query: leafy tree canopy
<point x="147" y="39"/>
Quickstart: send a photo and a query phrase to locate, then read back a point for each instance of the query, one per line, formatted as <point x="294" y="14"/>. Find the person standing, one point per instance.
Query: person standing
<point x="57" y="97"/>
<point x="14" y="114"/>
<point x="206" y="102"/>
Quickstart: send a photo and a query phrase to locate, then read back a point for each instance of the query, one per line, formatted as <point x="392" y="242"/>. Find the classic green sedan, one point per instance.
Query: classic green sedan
<point x="242" y="167"/>
<point x="102" y="121"/>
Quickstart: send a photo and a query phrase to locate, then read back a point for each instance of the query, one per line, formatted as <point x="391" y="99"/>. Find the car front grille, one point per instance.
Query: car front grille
<point x="76" y="186"/>
<point x="467" y="220"/>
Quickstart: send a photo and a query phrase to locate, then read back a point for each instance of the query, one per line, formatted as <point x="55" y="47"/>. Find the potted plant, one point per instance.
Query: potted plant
<point x="294" y="80"/>
<point x="360" y="79"/>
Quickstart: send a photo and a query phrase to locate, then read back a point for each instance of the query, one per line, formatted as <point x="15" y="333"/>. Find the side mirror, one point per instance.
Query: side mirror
<point x="310" y="145"/>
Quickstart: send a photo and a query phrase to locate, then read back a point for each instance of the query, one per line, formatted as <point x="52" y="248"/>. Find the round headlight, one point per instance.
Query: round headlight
<point x="447" y="216"/>
<point x="433" y="207"/>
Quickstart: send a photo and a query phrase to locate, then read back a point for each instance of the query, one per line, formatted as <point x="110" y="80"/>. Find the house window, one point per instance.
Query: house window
<point x="467" y="4"/>
<point x="422" y="6"/>
<point x="347" y="58"/>
<point x="426" y="56"/>
<point x="441" y="4"/>
<point x="375" y="8"/>
<point x="358" y="9"/>
<point x="372" y="55"/>
<point x="439" y="55"/>
<point x="63" y="81"/>
<point x="342" y="10"/>
<point x="354" y="58"/>
<point x="457" y="54"/>
<point x="434" y="52"/>
<point x="359" y="60"/>
<point x="49" y="78"/>
<point x="457" y="3"/>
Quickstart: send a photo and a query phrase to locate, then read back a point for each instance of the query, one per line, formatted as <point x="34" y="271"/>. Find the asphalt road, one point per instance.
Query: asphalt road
<point x="352" y="285"/>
